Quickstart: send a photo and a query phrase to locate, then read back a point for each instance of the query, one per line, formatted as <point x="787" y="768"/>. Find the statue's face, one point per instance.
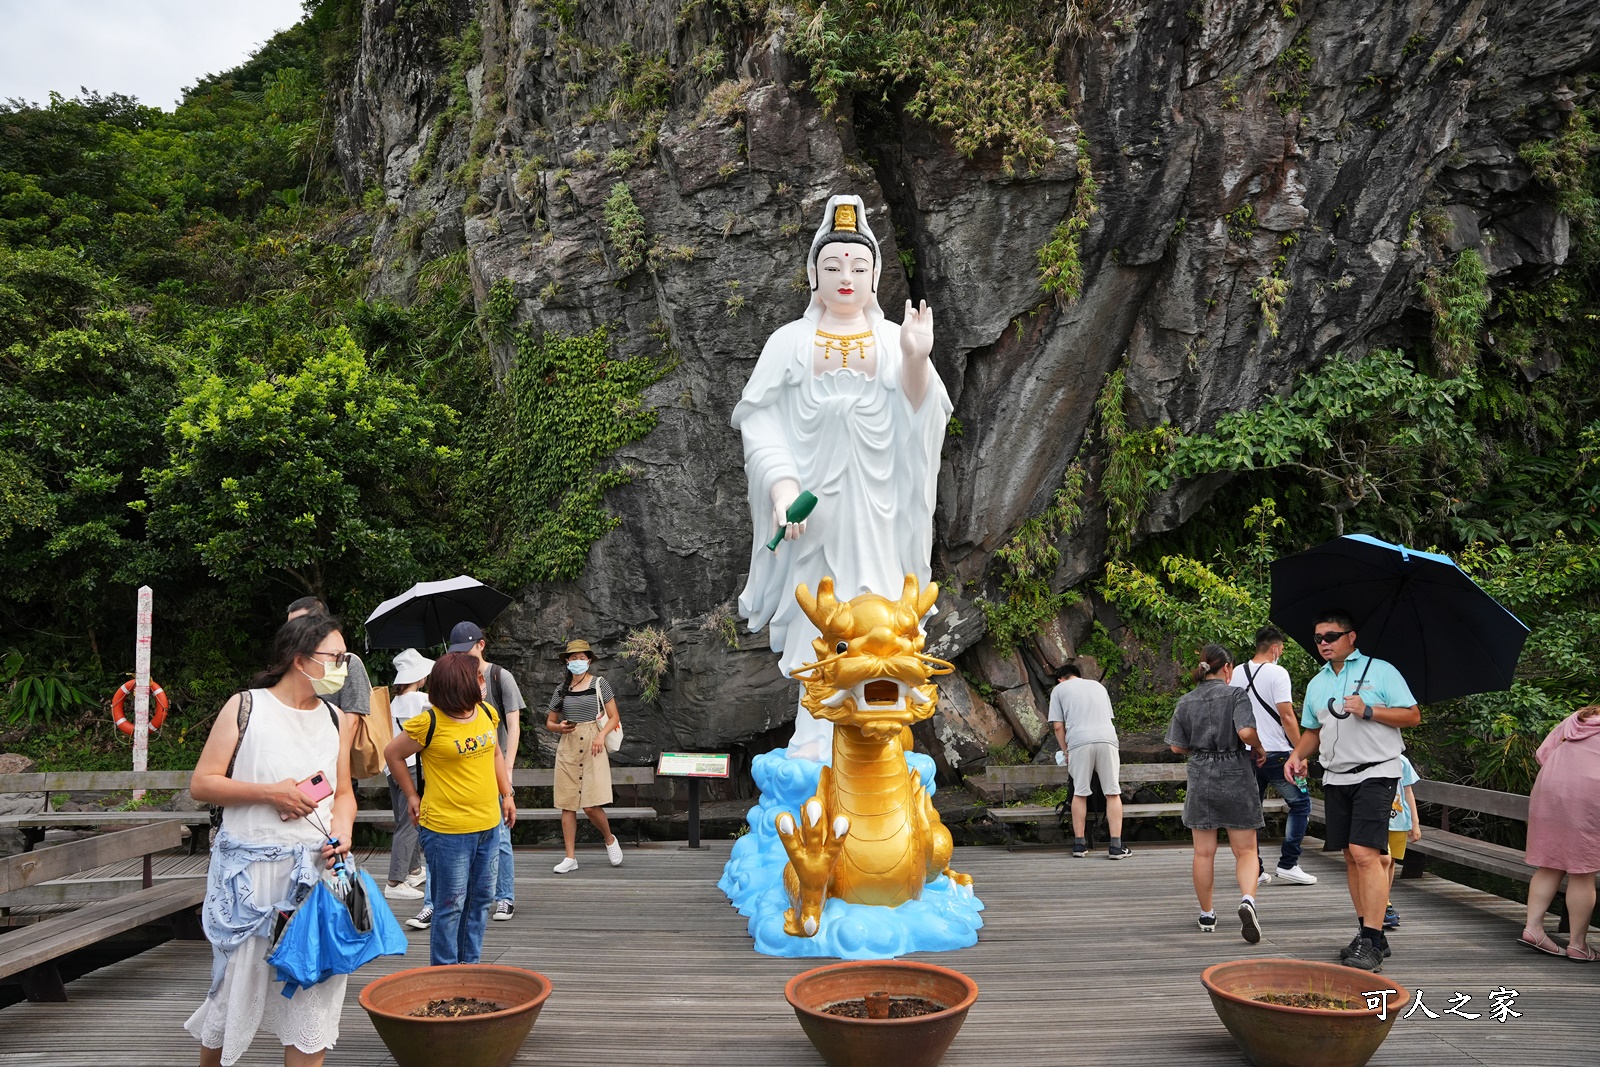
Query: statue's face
<point x="844" y="277"/>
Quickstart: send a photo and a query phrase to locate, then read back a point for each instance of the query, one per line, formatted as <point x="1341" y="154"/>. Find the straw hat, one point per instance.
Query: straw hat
<point x="411" y="666"/>
<point x="577" y="645"/>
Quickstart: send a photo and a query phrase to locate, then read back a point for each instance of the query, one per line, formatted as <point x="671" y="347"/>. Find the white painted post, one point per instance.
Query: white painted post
<point x="141" y="684"/>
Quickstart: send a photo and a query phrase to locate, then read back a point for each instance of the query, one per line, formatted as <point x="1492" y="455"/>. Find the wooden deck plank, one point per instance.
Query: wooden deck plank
<point x="1080" y="961"/>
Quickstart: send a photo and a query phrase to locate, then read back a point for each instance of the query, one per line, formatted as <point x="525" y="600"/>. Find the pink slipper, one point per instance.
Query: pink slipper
<point x="1583" y="955"/>
<point x="1541" y="943"/>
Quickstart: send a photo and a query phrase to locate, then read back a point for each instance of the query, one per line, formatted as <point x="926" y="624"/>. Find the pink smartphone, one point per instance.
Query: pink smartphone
<point x="316" y="788"/>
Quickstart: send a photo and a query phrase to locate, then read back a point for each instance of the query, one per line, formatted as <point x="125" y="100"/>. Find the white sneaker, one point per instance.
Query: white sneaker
<point x="1296" y="875"/>
<point x="1263" y="878"/>
<point x="401" y="891"/>
<point x="614" y="851"/>
<point x="415" y="880"/>
<point x="566" y="865"/>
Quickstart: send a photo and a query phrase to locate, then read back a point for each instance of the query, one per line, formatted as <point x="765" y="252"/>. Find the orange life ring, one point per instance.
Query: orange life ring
<point x="158" y="711"/>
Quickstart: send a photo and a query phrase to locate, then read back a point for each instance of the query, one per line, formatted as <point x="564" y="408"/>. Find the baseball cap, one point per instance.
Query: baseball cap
<point x="463" y="635"/>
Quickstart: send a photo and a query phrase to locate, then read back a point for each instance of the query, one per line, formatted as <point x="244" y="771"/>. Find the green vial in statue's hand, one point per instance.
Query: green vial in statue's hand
<point x="799" y="511"/>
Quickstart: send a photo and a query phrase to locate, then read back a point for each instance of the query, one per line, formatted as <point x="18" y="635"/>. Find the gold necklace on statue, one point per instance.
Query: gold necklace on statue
<point x="842" y="342"/>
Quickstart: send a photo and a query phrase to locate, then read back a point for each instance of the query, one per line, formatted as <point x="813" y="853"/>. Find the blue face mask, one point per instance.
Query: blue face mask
<point x="578" y="666"/>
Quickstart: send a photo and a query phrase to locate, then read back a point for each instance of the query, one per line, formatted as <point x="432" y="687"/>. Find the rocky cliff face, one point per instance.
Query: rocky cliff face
<point x="1255" y="163"/>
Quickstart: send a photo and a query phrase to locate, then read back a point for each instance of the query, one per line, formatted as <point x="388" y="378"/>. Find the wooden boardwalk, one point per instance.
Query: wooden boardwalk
<point x="1080" y="962"/>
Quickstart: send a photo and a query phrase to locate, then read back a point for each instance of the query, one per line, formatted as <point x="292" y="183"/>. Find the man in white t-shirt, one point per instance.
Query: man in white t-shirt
<point x="1080" y="711"/>
<point x="1278" y="725"/>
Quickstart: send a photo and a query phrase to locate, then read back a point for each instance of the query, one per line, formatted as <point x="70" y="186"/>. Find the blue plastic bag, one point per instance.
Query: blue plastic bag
<point x="328" y="936"/>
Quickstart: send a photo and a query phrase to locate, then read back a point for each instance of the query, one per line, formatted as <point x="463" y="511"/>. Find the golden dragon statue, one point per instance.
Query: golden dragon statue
<point x="870" y="835"/>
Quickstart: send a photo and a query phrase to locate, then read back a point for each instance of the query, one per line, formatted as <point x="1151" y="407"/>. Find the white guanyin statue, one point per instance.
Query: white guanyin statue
<point x="846" y="405"/>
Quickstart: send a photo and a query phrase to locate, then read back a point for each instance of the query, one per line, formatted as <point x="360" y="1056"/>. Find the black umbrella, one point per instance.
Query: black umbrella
<point x="1417" y="610"/>
<point x="423" y="615"/>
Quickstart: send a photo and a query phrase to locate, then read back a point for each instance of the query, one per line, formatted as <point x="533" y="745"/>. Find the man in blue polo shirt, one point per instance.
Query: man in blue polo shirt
<point x="1354" y="710"/>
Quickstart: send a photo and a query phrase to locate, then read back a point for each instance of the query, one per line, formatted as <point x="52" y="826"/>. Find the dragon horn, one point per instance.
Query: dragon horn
<point x="807" y="602"/>
<point x="925" y="601"/>
<point x="825" y="597"/>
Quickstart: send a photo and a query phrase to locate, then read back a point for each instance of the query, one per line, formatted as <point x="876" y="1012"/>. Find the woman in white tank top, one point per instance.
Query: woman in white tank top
<point x="270" y="851"/>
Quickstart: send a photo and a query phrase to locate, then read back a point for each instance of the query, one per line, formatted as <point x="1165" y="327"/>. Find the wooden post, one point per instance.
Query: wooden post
<point x="141" y="684"/>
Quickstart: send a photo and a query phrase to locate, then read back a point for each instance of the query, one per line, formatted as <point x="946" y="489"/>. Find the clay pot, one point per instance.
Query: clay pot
<point x="919" y="1042"/>
<point x="471" y="1041"/>
<point x="1276" y="1035"/>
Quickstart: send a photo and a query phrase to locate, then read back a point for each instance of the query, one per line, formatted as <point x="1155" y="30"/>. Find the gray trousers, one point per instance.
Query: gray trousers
<point x="405" y="851"/>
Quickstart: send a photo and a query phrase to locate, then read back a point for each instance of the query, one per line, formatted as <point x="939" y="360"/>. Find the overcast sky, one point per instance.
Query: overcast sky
<point x="151" y="49"/>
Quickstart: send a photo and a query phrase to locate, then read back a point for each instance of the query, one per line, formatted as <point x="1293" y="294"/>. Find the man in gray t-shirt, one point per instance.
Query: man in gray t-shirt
<point x="1080" y="711"/>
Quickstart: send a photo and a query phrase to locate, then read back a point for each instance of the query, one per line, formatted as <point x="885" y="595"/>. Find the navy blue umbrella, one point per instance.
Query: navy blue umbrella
<point x="1417" y="610"/>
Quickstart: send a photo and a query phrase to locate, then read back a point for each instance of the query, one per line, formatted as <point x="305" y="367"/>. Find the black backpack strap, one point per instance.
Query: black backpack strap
<point x="433" y="722"/>
<point x="1250" y="684"/>
<point x="333" y="712"/>
<point x="497" y="683"/>
<point x="244" y="721"/>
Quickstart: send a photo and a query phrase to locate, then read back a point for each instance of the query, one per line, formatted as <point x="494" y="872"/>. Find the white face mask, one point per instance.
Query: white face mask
<point x="578" y="667"/>
<point x="332" y="680"/>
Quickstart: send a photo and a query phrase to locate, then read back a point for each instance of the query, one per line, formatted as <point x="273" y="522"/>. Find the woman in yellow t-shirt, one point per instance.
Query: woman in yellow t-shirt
<point x="468" y="787"/>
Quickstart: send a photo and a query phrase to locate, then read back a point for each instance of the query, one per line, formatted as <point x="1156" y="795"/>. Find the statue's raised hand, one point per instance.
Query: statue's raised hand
<point x="916" y="334"/>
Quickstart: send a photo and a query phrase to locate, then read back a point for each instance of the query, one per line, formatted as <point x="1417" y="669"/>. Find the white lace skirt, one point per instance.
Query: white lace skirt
<point x="249" y="1000"/>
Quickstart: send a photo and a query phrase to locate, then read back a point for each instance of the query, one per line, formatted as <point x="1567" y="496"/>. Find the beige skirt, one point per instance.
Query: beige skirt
<point x="582" y="780"/>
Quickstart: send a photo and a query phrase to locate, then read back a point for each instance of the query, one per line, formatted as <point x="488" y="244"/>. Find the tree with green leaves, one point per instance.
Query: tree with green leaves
<point x="1373" y="436"/>
<point x="323" y="478"/>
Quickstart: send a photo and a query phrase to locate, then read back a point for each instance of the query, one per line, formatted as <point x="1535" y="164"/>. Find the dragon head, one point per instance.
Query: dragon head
<point x="870" y="670"/>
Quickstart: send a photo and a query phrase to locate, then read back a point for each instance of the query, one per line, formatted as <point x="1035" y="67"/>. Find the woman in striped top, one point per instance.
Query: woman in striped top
<point x="583" y="710"/>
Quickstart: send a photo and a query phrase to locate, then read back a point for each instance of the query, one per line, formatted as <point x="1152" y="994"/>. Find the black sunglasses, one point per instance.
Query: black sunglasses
<point x="1330" y="636"/>
<point x="339" y="658"/>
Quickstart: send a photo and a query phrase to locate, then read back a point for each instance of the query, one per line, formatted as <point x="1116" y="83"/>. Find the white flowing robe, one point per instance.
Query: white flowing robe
<point x="873" y="464"/>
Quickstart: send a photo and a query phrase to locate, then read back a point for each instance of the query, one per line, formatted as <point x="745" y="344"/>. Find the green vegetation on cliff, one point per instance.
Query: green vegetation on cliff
<point x="196" y="395"/>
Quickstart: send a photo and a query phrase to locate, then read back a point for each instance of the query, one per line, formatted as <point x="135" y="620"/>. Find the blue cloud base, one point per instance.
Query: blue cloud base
<point x="945" y="918"/>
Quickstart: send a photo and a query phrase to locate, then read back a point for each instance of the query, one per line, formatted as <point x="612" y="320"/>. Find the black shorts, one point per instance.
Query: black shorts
<point x="1358" y="814"/>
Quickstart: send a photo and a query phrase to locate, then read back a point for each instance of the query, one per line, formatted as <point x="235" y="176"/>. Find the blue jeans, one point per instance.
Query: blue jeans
<point x="461" y="872"/>
<point x="505" y="882"/>
<point x="1299" y="801"/>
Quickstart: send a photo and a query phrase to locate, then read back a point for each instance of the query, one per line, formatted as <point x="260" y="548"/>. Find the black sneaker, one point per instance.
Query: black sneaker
<point x="1208" y="924"/>
<point x="503" y="910"/>
<point x="1119" y="852"/>
<point x="1249" y="926"/>
<point x="1079" y="851"/>
<point x="1349" y="949"/>
<point x="1365" y="957"/>
<point x="422" y="919"/>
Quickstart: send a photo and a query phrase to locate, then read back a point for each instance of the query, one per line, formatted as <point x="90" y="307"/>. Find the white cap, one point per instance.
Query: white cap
<point x="411" y="666"/>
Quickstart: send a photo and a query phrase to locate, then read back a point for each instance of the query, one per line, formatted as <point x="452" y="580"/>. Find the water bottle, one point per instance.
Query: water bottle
<point x="1301" y="783"/>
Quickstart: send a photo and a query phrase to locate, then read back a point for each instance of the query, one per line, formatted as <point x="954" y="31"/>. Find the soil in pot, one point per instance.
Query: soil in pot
<point x="897" y="1008"/>
<point x="455" y="1008"/>
<point x="1309" y="1000"/>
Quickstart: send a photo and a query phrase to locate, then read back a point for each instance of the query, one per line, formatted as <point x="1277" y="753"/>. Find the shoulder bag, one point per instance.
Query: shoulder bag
<point x="614" y="738"/>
